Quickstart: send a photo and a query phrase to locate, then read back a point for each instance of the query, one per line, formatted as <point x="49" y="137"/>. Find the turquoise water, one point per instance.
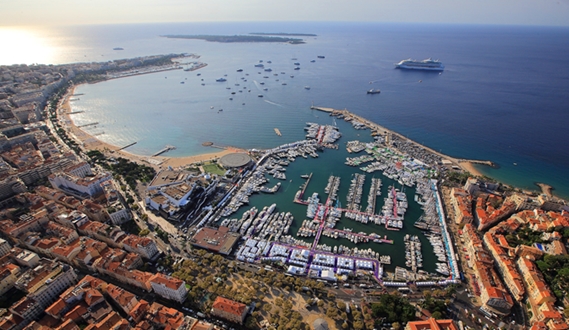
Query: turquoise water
<point x="331" y="162"/>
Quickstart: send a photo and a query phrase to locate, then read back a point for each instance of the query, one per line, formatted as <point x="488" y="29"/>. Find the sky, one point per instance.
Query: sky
<point x="74" y="12"/>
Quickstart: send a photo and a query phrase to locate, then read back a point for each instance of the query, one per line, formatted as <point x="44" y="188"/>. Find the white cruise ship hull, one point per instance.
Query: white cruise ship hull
<point x="406" y="67"/>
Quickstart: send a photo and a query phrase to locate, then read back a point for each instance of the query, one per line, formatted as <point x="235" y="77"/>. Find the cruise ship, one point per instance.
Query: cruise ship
<point x="428" y="64"/>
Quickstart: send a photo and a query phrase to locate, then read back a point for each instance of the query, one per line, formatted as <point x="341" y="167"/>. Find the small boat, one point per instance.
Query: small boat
<point x="312" y="61"/>
<point x="297" y="68"/>
<point x="259" y="65"/>
<point x="320" y="56"/>
<point x="220" y="79"/>
<point x="373" y="91"/>
<point x="296" y="63"/>
<point x="260" y="95"/>
<point x="199" y="74"/>
<point x="306" y="87"/>
<point x="239" y="70"/>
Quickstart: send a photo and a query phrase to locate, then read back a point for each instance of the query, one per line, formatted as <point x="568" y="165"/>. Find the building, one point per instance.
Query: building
<point x="492" y="291"/>
<point x="169" y="287"/>
<point x="42" y="284"/>
<point x="27" y="259"/>
<point x="8" y="276"/>
<point x="540" y="297"/>
<point x="81" y="188"/>
<point x="462" y="205"/>
<point x="229" y="310"/>
<point x="124" y="299"/>
<point x="4" y="247"/>
<point x="219" y="240"/>
<point x="144" y="246"/>
<point x="431" y="324"/>
<point x="502" y="254"/>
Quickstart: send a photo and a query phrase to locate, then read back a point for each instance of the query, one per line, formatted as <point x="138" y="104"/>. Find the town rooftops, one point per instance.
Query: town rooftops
<point x="432" y="324"/>
<point x="229" y="306"/>
<point x="168" y="281"/>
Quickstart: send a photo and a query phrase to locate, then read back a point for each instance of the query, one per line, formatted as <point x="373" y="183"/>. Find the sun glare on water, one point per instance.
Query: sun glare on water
<point x="22" y="46"/>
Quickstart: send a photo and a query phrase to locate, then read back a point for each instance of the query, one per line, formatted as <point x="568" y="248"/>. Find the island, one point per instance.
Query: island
<point x="284" y="34"/>
<point x="236" y="38"/>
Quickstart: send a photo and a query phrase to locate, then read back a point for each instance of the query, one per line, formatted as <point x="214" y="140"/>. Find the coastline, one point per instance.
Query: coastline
<point x="90" y="142"/>
<point x="469" y="167"/>
<point x="545" y="188"/>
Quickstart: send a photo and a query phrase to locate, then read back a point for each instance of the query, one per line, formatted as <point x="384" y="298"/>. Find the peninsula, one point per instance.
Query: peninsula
<point x="236" y="38"/>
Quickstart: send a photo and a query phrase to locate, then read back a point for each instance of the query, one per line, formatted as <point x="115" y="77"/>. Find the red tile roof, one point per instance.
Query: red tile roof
<point x="229" y="306"/>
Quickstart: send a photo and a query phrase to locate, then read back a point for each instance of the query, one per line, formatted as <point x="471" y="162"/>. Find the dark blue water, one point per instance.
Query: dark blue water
<point x="504" y="95"/>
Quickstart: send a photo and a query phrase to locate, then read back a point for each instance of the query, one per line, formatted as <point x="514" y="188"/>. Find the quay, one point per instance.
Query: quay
<point x="380" y="130"/>
<point x="163" y="150"/>
<point x="278" y="132"/>
<point x="128" y="145"/>
<point x="90" y="124"/>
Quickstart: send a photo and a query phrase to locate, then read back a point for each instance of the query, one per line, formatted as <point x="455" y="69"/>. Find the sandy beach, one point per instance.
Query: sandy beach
<point x="545" y="188"/>
<point x="469" y="167"/>
<point x="90" y="142"/>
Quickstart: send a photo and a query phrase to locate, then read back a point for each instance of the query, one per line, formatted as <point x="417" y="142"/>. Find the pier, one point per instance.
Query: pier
<point x="163" y="150"/>
<point x="298" y="198"/>
<point x="128" y="145"/>
<point x="380" y="130"/>
<point x="278" y="132"/>
<point x="90" y="124"/>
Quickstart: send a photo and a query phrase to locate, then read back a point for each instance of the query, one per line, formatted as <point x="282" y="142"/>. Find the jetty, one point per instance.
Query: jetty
<point x="381" y="130"/>
<point x="90" y="124"/>
<point x="278" y="132"/>
<point x="163" y="150"/>
<point x="300" y="193"/>
<point x="128" y="145"/>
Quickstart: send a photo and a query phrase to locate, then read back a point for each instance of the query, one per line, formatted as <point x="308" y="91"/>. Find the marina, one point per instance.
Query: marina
<point x="326" y="232"/>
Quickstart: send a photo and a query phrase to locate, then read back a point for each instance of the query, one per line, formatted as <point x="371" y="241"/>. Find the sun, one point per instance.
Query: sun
<point x="23" y="46"/>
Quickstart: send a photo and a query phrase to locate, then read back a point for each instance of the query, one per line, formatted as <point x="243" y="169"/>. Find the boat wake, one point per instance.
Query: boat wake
<point x="273" y="103"/>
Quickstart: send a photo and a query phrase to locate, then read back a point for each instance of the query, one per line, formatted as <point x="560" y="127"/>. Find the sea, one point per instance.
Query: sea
<point x="503" y="96"/>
